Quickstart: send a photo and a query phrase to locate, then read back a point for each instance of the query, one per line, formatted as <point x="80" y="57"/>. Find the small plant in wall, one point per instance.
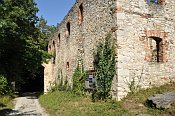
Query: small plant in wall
<point x="134" y="85"/>
<point x="104" y="64"/>
<point x="135" y="81"/>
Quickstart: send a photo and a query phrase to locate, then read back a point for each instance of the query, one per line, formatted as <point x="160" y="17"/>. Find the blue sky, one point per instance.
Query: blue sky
<point x="54" y="10"/>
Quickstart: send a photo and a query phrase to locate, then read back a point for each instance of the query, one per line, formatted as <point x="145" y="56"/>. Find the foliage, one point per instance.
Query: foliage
<point x="134" y="84"/>
<point x="62" y="85"/>
<point x="54" y="87"/>
<point x="46" y="32"/>
<point x="6" y="104"/>
<point x="3" y="85"/>
<point x="18" y="37"/>
<point x="22" y="40"/>
<point x="78" y="81"/>
<point x="5" y="101"/>
<point x="105" y="67"/>
<point x="69" y="104"/>
<point x="133" y="87"/>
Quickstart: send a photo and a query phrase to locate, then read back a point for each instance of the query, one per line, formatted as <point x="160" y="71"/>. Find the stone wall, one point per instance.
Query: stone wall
<point x="85" y="32"/>
<point x="144" y="38"/>
<point x="139" y="23"/>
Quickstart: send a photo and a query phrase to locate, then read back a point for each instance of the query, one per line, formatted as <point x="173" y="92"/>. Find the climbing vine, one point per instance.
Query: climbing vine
<point x="104" y="64"/>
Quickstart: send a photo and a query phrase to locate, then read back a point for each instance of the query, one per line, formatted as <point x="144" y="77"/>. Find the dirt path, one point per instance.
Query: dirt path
<point x="28" y="105"/>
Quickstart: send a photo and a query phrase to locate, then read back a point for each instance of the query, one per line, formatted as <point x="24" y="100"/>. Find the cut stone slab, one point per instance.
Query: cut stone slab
<point x="164" y="100"/>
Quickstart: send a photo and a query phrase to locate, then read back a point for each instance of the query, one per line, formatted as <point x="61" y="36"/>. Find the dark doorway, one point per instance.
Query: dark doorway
<point x="35" y="83"/>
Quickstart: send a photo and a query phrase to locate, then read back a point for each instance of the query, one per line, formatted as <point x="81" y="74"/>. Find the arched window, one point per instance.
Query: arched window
<point x="68" y="28"/>
<point x="80" y="14"/>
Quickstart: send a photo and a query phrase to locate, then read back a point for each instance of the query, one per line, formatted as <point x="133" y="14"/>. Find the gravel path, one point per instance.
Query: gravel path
<point x="28" y="105"/>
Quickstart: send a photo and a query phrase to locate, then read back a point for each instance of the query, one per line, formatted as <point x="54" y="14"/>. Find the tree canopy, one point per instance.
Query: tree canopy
<point x="23" y="39"/>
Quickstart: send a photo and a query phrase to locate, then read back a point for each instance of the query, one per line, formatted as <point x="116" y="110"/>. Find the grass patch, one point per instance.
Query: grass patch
<point x="68" y="104"/>
<point x="6" y="101"/>
<point x="6" y="105"/>
<point x="135" y="102"/>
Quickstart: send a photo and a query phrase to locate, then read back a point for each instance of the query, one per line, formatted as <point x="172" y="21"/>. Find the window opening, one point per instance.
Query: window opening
<point x="53" y="45"/>
<point x="59" y="37"/>
<point x="54" y="52"/>
<point x="67" y="65"/>
<point x="68" y="27"/>
<point x="80" y="14"/>
<point x="156" y="47"/>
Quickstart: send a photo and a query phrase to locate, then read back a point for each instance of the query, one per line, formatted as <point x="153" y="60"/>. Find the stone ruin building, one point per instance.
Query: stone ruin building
<point x="144" y="34"/>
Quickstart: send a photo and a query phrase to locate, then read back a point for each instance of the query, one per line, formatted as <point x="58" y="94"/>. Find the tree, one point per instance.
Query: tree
<point x="45" y="32"/>
<point x="21" y="44"/>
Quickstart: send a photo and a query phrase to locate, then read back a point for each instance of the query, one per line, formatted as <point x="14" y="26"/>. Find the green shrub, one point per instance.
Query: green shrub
<point x="6" y="101"/>
<point x="104" y="63"/>
<point x="3" y="85"/>
<point x="78" y="81"/>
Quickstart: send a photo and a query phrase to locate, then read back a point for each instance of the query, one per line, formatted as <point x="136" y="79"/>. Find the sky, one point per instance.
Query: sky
<point x="54" y="10"/>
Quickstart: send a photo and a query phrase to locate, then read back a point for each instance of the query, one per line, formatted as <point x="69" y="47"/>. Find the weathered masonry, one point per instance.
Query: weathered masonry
<point x="144" y="34"/>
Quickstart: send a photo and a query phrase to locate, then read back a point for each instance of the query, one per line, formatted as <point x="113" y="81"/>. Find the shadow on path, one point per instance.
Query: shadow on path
<point x="2" y="105"/>
<point x="10" y="112"/>
<point x="5" y="111"/>
<point x="28" y="113"/>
